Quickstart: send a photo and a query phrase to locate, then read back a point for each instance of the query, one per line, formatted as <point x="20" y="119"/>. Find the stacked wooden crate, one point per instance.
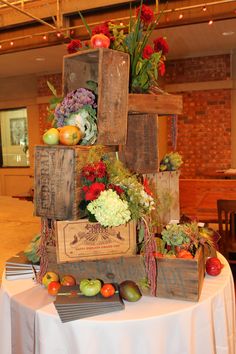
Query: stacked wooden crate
<point x="126" y="122"/>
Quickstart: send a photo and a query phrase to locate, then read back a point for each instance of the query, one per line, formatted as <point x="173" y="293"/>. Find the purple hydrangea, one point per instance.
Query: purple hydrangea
<point x="72" y="102"/>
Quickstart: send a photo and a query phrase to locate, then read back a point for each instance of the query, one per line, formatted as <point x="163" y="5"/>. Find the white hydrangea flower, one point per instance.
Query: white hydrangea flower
<point x="109" y="209"/>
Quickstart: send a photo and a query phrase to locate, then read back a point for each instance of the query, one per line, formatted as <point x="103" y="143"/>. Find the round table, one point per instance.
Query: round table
<point x="29" y="323"/>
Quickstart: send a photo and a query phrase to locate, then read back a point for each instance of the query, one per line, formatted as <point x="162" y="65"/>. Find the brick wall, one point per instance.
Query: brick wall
<point x="204" y="129"/>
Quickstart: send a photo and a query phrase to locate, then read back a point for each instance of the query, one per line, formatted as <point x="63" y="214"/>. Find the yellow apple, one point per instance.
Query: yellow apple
<point x="49" y="277"/>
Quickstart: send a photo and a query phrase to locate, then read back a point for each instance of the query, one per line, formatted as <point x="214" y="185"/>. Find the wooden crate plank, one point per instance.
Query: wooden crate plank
<point x="166" y="186"/>
<point x="140" y="154"/>
<point x="82" y="240"/>
<point x="159" y="104"/>
<point x="110" y="70"/>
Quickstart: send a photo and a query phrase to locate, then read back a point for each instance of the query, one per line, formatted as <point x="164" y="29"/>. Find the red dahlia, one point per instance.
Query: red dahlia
<point x="160" y="45"/>
<point x="74" y="46"/>
<point x="94" y="191"/>
<point x="146" y="15"/>
<point x="147" y="52"/>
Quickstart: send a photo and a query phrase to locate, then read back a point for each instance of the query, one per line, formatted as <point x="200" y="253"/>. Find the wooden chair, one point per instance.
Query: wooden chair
<point x="227" y="228"/>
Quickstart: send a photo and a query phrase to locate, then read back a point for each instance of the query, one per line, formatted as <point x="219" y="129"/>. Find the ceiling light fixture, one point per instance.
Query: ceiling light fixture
<point x="210" y="22"/>
<point x="181" y="16"/>
<point x="204" y="9"/>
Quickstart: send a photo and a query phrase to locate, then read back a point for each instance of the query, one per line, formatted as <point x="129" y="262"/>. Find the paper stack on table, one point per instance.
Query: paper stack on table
<point x="19" y="267"/>
<point x="72" y="305"/>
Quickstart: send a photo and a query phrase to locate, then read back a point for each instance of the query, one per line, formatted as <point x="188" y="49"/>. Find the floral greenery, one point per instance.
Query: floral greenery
<point x="188" y="236"/>
<point x="147" y="61"/>
<point x="112" y="195"/>
<point x="171" y="162"/>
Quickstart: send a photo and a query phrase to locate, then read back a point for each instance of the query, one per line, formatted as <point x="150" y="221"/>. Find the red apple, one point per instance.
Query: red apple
<point x="68" y="280"/>
<point x="100" y="41"/>
<point x="213" y="266"/>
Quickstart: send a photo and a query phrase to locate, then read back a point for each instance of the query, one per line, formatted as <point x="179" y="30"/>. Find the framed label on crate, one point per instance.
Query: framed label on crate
<point x="83" y="240"/>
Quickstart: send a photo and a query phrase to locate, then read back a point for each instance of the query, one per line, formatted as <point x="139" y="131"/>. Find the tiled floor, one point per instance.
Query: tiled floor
<point x="17" y="227"/>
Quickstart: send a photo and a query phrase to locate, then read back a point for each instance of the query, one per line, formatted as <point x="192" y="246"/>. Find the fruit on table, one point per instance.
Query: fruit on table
<point x="129" y="291"/>
<point x="100" y="41"/>
<point x="49" y="277"/>
<point x="107" y="290"/>
<point x="68" y="280"/>
<point x="51" y="136"/>
<point x="53" y="288"/>
<point x="213" y="266"/>
<point x="69" y="135"/>
<point x="90" y="287"/>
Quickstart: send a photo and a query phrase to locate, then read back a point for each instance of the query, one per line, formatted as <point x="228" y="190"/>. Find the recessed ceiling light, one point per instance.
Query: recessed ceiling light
<point x="40" y="59"/>
<point x="229" y="33"/>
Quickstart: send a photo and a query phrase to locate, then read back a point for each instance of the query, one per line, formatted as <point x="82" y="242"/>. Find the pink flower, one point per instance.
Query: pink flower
<point x="146" y="15"/>
<point x="160" y="45"/>
<point x="74" y="46"/>
<point x="147" y="52"/>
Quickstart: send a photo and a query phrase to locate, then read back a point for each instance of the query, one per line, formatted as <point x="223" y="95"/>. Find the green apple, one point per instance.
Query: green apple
<point x="49" y="277"/>
<point x="51" y="136"/>
<point x="90" y="287"/>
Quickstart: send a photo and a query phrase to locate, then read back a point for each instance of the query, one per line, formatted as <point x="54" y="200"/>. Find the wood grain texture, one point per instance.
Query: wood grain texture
<point x="159" y="104"/>
<point x="110" y="70"/>
<point x="58" y="180"/>
<point x="166" y="186"/>
<point x="140" y="154"/>
<point x="82" y="240"/>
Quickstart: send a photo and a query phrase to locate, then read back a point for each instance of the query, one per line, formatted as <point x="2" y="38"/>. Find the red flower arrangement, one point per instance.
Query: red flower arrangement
<point x="146" y="60"/>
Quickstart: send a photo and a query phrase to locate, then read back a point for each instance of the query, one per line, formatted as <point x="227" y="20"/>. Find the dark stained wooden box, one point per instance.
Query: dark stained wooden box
<point x="110" y="70"/>
<point x="180" y="279"/>
<point x="58" y="180"/>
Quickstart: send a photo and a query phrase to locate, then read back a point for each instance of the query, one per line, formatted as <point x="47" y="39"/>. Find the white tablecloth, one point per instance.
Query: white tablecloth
<point x="29" y="323"/>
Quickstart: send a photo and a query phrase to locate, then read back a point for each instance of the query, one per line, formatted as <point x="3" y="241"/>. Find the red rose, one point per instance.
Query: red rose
<point x="74" y="46"/>
<point x="146" y="15"/>
<point x="160" y="45"/>
<point x="103" y="28"/>
<point x="94" y="191"/>
<point x="162" y="68"/>
<point x="147" y="52"/>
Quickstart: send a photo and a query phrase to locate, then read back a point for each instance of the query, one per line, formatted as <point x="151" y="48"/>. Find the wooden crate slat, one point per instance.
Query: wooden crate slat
<point x="159" y="104"/>
<point x="140" y="153"/>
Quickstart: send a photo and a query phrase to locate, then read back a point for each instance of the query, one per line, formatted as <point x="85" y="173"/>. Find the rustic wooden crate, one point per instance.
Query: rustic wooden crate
<point x="166" y="187"/>
<point x="180" y="279"/>
<point x="57" y="182"/>
<point x="83" y="240"/>
<point x="110" y="70"/>
<point x="140" y="153"/>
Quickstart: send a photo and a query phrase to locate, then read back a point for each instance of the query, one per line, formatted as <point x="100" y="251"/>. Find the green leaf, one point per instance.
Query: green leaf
<point x="52" y="88"/>
<point x="85" y="24"/>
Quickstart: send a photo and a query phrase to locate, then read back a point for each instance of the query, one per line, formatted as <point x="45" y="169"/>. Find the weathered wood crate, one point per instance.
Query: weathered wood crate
<point x="141" y="151"/>
<point x="180" y="279"/>
<point x="166" y="187"/>
<point x="58" y="180"/>
<point x="83" y="240"/>
<point x="110" y="70"/>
